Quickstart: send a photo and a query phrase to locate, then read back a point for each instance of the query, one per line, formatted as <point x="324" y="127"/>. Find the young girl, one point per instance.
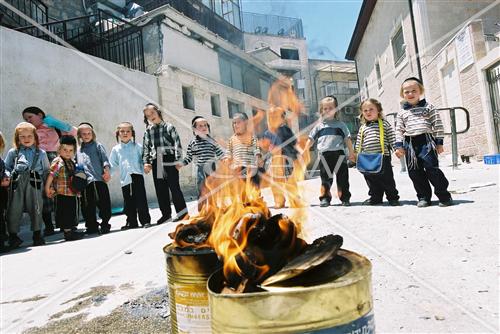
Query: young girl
<point x="332" y="137"/>
<point x="282" y="153"/>
<point x="27" y="165"/>
<point x="243" y="153"/>
<point x="205" y="150"/>
<point x="4" y="183"/>
<point x="59" y="185"/>
<point x="161" y="138"/>
<point x="368" y="141"/>
<point x="126" y="156"/>
<point x="96" y="193"/>
<point x="48" y="129"/>
<point x="419" y="137"/>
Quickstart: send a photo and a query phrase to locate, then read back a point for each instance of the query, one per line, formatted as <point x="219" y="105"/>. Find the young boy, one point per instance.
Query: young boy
<point x="58" y="185"/>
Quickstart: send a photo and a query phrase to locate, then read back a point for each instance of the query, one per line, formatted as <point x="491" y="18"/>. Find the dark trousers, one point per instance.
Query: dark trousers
<point x="135" y="201"/>
<point x="426" y="170"/>
<point x="96" y="194"/>
<point x="168" y="181"/>
<point x="3" y="208"/>
<point x="66" y="211"/>
<point x="334" y="162"/>
<point x="382" y="183"/>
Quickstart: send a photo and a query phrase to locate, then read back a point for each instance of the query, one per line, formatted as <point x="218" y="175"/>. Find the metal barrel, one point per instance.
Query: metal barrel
<point x="187" y="274"/>
<point x="343" y="305"/>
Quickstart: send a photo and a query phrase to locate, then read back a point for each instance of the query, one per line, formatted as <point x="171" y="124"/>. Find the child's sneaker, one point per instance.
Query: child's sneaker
<point x="423" y="203"/>
<point x="73" y="235"/>
<point x="324" y="203"/>
<point x="346" y="203"/>
<point x="446" y="203"/>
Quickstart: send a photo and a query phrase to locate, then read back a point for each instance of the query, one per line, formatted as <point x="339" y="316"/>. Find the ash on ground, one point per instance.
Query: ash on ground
<point x="149" y="313"/>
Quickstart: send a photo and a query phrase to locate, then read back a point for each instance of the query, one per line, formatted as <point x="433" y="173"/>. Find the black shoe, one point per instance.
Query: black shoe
<point x="371" y="201"/>
<point x="73" y="235"/>
<point x="394" y="202"/>
<point x="446" y="203"/>
<point x="324" y="203"/>
<point x="163" y="219"/>
<point x="105" y="228"/>
<point x="346" y="203"/>
<point x="15" y="241"/>
<point x="48" y="232"/>
<point x="147" y="225"/>
<point x="94" y="230"/>
<point x="423" y="203"/>
<point x="179" y="218"/>
<point x="3" y="248"/>
<point x="129" y="227"/>
<point x="38" y="240"/>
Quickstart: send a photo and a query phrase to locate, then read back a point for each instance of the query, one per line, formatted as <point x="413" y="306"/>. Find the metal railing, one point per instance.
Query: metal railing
<point x="34" y="9"/>
<point x="453" y="130"/>
<point x="102" y="35"/>
<point x="202" y="14"/>
<point x="262" y="24"/>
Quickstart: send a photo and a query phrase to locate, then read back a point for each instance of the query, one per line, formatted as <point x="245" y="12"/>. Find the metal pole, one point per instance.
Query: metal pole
<point x="415" y="43"/>
<point x="454" y="144"/>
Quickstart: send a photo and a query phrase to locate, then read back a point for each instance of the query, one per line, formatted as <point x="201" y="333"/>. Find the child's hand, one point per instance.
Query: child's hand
<point x="400" y="152"/>
<point x="5" y="182"/>
<point x="106" y="176"/>
<point x="179" y="166"/>
<point x="147" y="168"/>
<point x="352" y="157"/>
<point x="50" y="192"/>
<point x="439" y="149"/>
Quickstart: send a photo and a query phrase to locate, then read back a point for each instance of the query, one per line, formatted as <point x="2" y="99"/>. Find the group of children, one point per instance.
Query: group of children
<point x="418" y="137"/>
<point x="42" y="172"/>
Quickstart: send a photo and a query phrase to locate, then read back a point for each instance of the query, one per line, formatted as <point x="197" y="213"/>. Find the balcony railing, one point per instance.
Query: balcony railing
<point x="34" y="9"/>
<point x="102" y="35"/>
<point x="205" y="16"/>
<point x="262" y="24"/>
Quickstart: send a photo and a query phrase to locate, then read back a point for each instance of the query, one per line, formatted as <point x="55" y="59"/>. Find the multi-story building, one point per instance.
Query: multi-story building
<point x="453" y="49"/>
<point x="337" y="78"/>
<point x="183" y="55"/>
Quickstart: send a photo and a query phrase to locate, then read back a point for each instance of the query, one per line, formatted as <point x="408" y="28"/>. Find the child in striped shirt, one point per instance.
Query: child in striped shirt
<point x="368" y="141"/>
<point x="333" y="138"/>
<point x="419" y="137"/>
<point x="205" y="151"/>
<point x="243" y="152"/>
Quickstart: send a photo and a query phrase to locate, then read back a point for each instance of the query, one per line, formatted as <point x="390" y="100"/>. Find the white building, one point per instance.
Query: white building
<point x="189" y="70"/>
<point x="457" y="52"/>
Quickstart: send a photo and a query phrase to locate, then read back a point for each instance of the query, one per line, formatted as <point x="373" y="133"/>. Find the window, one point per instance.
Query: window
<point x="187" y="97"/>
<point x="398" y="47"/>
<point x="233" y="107"/>
<point x="215" y="104"/>
<point x="230" y="73"/>
<point x="379" y="76"/>
<point x="329" y="88"/>
<point x="292" y="54"/>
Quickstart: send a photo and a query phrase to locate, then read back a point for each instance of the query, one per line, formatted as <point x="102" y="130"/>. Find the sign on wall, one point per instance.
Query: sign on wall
<point x="463" y="45"/>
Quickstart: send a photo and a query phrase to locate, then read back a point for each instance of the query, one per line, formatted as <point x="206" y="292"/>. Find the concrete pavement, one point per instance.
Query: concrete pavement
<point x="434" y="269"/>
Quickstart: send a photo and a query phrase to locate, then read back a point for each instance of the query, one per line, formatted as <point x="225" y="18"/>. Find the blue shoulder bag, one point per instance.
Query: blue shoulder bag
<point x="371" y="163"/>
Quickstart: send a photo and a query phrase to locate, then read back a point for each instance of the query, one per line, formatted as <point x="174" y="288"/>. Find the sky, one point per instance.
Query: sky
<point x="328" y="24"/>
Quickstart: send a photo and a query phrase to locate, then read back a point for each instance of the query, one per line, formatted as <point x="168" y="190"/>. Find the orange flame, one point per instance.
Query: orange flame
<point x="235" y="212"/>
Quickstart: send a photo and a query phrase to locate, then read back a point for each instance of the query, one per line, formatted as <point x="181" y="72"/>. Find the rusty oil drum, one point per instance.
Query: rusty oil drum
<point x="343" y="305"/>
<point x="187" y="274"/>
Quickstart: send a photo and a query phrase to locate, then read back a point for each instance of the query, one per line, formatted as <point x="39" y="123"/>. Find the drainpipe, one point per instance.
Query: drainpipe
<point x="415" y="43"/>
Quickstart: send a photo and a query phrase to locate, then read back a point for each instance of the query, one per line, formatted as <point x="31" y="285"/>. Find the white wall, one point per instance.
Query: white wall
<point x="73" y="87"/>
<point x="184" y="52"/>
